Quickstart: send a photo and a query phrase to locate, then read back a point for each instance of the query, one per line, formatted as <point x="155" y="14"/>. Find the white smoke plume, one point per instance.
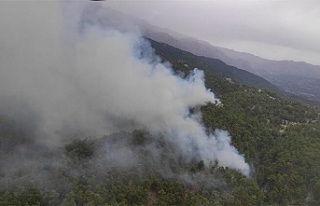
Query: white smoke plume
<point x="78" y="77"/>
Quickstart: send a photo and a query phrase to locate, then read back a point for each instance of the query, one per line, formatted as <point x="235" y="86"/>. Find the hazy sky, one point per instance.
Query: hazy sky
<point x="273" y="29"/>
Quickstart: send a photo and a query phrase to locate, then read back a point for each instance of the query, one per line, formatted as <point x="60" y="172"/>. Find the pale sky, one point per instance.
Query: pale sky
<point x="272" y="29"/>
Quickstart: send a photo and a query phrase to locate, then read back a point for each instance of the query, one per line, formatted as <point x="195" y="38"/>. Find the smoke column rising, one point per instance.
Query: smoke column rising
<point x="81" y="78"/>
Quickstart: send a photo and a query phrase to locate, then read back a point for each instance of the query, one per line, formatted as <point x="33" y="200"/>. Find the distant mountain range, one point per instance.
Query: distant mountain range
<point x="297" y="78"/>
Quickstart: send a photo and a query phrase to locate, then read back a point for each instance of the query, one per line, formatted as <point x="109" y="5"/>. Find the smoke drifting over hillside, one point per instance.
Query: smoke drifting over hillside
<point x="78" y="78"/>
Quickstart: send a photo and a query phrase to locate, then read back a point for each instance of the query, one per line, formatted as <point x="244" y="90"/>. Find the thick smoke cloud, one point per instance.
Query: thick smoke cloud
<point x="81" y="79"/>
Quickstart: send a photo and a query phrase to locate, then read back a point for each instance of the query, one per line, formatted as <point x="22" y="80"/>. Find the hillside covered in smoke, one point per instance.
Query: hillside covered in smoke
<point x="90" y="115"/>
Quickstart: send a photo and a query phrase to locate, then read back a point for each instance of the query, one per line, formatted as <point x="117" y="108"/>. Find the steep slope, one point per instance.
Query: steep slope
<point x="214" y="66"/>
<point x="298" y="78"/>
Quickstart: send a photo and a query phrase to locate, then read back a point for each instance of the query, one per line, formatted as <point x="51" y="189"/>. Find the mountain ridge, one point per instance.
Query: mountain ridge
<point x="216" y="66"/>
<point x="271" y="70"/>
<point x="295" y="77"/>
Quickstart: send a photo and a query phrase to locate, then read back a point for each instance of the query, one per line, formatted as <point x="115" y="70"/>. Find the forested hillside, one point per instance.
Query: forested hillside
<point x="280" y="140"/>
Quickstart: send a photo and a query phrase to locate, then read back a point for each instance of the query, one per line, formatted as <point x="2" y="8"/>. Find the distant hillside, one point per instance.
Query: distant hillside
<point x="297" y="78"/>
<point x="215" y="66"/>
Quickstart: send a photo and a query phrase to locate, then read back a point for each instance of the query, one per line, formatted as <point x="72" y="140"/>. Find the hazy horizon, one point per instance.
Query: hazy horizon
<point x="275" y="30"/>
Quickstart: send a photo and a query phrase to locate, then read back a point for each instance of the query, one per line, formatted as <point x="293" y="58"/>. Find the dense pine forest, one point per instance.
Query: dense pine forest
<point x="279" y="137"/>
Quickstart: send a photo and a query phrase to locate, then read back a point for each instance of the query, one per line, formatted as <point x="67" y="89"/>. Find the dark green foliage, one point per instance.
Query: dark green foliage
<point x="81" y="149"/>
<point x="139" y="137"/>
<point x="198" y="167"/>
<point x="8" y="198"/>
<point x="30" y="197"/>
